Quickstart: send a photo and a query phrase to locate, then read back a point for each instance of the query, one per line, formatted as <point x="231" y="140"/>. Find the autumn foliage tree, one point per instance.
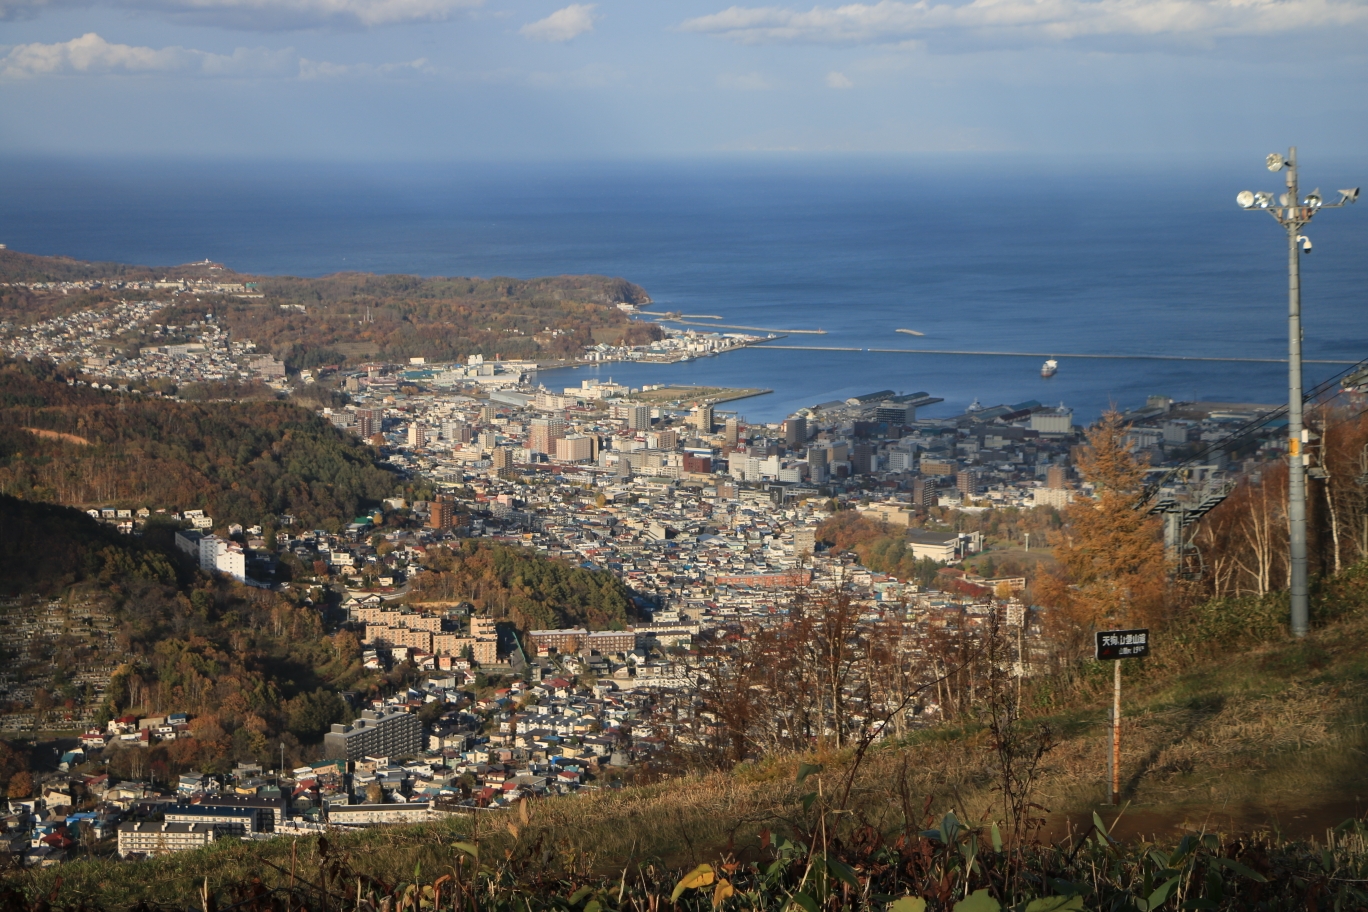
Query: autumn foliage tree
<point x="1112" y="568"/>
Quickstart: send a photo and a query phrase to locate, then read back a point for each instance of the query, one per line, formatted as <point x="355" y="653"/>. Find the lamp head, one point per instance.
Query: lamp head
<point x="1245" y="199"/>
<point x="1275" y="162"/>
<point x="1263" y="199"/>
<point x="1349" y="196"/>
<point x="1313" y="199"/>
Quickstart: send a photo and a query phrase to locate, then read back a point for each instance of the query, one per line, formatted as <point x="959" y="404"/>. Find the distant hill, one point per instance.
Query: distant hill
<point x="348" y="317"/>
<point x="241" y="461"/>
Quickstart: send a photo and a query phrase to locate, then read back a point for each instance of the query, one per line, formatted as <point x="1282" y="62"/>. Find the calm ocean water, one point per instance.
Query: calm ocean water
<point x="974" y="256"/>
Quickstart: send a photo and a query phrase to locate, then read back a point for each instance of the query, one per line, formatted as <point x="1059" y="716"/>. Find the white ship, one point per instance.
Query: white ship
<point x="1049" y="368"/>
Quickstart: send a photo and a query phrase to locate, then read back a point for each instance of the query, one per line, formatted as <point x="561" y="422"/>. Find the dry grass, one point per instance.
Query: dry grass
<point x="1276" y="728"/>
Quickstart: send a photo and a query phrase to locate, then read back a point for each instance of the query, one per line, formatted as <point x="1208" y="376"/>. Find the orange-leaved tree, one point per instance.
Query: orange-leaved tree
<point x="1112" y="569"/>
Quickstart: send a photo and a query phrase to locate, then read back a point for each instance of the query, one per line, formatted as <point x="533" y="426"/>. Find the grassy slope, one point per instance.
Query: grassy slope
<point x="1267" y="733"/>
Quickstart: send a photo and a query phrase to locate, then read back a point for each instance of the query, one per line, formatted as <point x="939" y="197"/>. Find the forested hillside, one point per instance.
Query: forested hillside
<point x="240" y="461"/>
<point x="348" y="317"/>
<point x="397" y="317"/>
<point x="531" y="591"/>
<point x="46" y="548"/>
<point x="254" y="668"/>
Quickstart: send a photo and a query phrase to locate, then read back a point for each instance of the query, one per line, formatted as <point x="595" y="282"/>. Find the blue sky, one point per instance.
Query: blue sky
<point x="525" y="79"/>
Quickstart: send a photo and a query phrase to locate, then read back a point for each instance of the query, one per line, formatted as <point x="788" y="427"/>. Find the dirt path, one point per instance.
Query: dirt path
<point x="58" y="435"/>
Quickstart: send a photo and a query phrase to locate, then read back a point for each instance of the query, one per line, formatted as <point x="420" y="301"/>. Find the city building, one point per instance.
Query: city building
<point x="967" y="481"/>
<point x="575" y="448"/>
<point x="441" y="513"/>
<point x="1053" y="421"/>
<point x="379" y="814"/>
<point x="394" y="734"/>
<point x="923" y="492"/>
<point x="544" y="434"/>
<point x="163" y="837"/>
<point x="639" y="418"/>
<point x="1059" y="498"/>
<point x="864" y="458"/>
<point x="235" y="821"/>
<point x="795" y="432"/>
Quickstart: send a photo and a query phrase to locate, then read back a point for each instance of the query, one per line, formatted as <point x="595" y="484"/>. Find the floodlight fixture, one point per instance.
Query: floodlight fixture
<point x="1293" y="212"/>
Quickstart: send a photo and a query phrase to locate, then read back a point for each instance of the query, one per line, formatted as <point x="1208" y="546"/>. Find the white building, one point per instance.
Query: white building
<point x="222" y="556"/>
<point x="1053" y="421"/>
<point x="160" y="838"/>
<point x="1059" y="498"/>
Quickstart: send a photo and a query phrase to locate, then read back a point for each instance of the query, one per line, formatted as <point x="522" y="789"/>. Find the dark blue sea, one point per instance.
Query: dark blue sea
<point x="977" y="254"/>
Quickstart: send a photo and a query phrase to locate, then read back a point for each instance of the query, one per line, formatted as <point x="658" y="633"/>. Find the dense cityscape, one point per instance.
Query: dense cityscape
<point x="713" y="524"/>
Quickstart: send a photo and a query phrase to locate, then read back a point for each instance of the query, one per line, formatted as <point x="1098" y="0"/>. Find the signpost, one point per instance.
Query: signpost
<point x="1112" y="646"/>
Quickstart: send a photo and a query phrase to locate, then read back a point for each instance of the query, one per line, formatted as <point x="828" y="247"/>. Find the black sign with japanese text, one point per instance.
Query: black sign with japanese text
<point x="1122" y="644"/>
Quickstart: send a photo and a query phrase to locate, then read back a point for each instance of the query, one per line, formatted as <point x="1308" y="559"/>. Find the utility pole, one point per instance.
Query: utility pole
<point x="1116" y="735"/>
<point x="1293" y="212"/>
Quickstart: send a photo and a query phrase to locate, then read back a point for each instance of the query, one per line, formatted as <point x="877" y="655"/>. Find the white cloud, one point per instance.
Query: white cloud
<point x="562" y="25"/>
<point x="839" y="80"/>
<point x="92" y="55"/>
<point x="1027" y="21"/>
<point x="269" y="15"/>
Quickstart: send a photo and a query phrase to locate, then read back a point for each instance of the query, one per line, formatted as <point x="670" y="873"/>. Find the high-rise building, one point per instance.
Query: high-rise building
<point x="1057" y="476"/>
<point x="395" y="734"/>
<point x="456" y="431"/>
<point x="818" y="460"/>
<point x="574" y="449"/>
<point x="864" y="458"/>
<point x="967" y="480"/>
<point x="544" y="434"/>
<point x="441" y="513"/>
<point x="369" y="422"/>
<point x="804" y="540"/>
<point x="701" y="418"/>
<point x="488" y="413"/>
<point x="732" y="432"/>
<point x="795" y="431"/>
<point x="923" y="492"/>
<point x="488" y="440"/>
<point x="639" y="418"/>
<point x="417" y="435"/>
<point x="501" y="458"/>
